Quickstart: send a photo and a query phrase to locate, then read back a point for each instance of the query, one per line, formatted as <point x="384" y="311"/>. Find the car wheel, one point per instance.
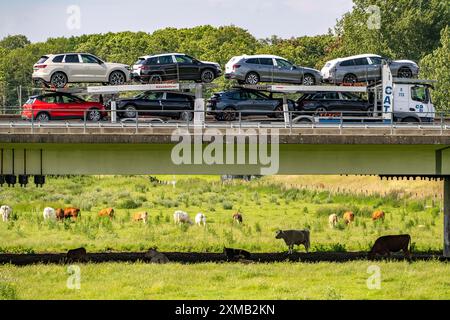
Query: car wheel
<point x="252" y="78"/>
<point x="43" y="117"/>
<point x="94" y="115"/>
<point x="229" y="114"/>
<point x="321" y="110"/>
<point x="117" y="78"/>
<point x="350" y="78"/>
<point x="130" y="112"/>
<point x="155" y="78"/>
<point x="58" y="80"/>
<point x="207" y="76"/>
<point x="279" y="112"/>
<point x="186" y="116"/>
<point x="405" y="73"/>
<point x="309" y="80"/>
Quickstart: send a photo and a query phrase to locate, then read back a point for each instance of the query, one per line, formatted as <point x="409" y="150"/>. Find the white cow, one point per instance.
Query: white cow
<point x="200" y="219"/>
<point x="49" y="214"/>
<point x="333" y="220"/>
<point x="181" y="217"/>
<point x="6" y="212"/>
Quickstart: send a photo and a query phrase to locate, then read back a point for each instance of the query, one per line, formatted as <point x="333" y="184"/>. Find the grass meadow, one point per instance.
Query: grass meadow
<point x="267" y="204"/>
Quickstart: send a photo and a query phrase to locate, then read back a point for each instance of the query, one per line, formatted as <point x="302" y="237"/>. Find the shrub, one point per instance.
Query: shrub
<point x="128" y="204"/>
<point x="227" y="205"/>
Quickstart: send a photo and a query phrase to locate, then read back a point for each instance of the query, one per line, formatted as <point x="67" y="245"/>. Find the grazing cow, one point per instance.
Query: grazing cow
<point x="200" y="219"/>
<point x="49" y="214"/>
<point x="109" y="212"/>
<point x="6" y="212"/>
<point x="181" y="217"/>
<point x="141" y="216"/>
<point x="73" y="213"/>
<point x="76" y="255"/>
<point x="237" y="217"/>
<point x="59" y="214"/>
<point x="294" y="237"/>
<point x="333" y="220"/>
<point x="236" y="254"/>
<point x="349" y="217"/>
<point x="387" y="244"/>
<point x="156" y="257"/>
<point x="378" y="215"/>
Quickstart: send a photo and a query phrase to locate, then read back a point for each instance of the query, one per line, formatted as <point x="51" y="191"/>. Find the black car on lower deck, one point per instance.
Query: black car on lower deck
<point x="322" y="102"/>
<point x="226" y="106"/>
<point x="158" y="103"/>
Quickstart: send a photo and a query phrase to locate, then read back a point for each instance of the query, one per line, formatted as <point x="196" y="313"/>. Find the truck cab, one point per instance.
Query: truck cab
<point x="412" y="100"/>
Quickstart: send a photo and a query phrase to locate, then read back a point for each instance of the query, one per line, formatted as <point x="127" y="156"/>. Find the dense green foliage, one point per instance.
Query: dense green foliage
<point x="408" y="30"/>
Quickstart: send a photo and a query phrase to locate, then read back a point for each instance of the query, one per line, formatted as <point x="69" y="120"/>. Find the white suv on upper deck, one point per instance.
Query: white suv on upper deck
<point x="58" y="70"/>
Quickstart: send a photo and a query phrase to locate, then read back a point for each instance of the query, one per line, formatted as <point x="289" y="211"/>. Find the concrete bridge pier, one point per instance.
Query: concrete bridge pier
<point x="447" y="217"/>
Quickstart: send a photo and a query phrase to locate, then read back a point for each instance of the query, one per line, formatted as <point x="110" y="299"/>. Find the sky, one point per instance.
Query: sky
<point x="41" y="19"/>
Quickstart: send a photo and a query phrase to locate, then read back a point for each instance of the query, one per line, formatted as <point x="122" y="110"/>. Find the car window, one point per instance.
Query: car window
<point x="140" y="61"/>
<point x="58" y="59"/>
<point x="153" y="95"/>
<point x="349" y="96"/>
<point x="183" y="59"/>
<point x="331" y="96"/>
<point x="151" y="61"/>
<point x="48" y="99"/>
<point x="235" y="95"/>
<point x="42" y="59"/>
<point x="67" y="99"/>
<point x="88" y="59"/>
<point x="72" y="58"/>
<point x="165" y="60"/>
<point x="347" y="63"/>
<point x="252" y="61"/>
<point x="419" y="94"/>
<point x="266" y="61"/>
<point x="253" y="96"/>
<point x="375" y="60"/>
<point x="174" y="96"/>
<point x="284" y="63"/>
<point x="361" y="62"/>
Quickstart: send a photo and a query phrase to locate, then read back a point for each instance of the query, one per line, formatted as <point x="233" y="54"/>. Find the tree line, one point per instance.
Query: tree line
<point x="399" y="29"/>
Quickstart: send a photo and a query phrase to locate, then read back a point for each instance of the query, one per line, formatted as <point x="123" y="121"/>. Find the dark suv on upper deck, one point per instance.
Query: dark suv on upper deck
<point x="174" y="66"/>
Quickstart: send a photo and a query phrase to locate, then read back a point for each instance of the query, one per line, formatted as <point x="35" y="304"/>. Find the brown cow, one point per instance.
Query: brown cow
<point x="76" y="255"/>
<point x="349" y="217"/>
<point x="109" y="212"/>
<point x="237" y="217"/>
<point x="387" y="244"/>
<point x="73" y="213"/>
<point x="377" y="215"/>
<point x="141" y="216"/>
<point x="59" y="214"/>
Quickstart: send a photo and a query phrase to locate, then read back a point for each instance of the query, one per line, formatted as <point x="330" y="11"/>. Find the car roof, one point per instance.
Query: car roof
<point x="358" y="56"/>
<point x="66" y="53"/>
<point x="54" y="94"/>
<point x="170" y="91"/>
<point x="261" y="56"/>
<point x="162" y="55"/>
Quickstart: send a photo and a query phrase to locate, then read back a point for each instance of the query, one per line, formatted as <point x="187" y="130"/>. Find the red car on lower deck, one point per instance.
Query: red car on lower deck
<point x="54" y="106"/>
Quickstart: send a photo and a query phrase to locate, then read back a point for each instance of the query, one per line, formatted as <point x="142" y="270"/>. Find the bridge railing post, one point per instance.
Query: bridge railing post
<point x="84" y="122"/>
<point x="32" y="120"/>
<point x="447" y="217"/>
<point x="137" y="121"/>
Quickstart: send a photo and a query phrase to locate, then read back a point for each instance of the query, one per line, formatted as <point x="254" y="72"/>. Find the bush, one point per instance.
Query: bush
<point x="227" y="205"/>
<point x="128" y="204"/>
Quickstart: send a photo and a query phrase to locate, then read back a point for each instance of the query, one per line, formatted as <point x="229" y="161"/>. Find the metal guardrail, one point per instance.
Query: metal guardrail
<point x="145" y="119"/>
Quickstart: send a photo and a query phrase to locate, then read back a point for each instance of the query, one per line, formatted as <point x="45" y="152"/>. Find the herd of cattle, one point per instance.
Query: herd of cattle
<point x="383" y="246"/>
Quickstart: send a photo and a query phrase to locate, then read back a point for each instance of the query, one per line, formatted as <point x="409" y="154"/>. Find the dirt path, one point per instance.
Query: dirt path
<point x="29" y="259"/>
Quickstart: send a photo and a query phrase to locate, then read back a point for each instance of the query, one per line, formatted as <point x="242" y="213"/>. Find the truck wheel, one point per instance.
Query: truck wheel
<point x="410" y="120"/>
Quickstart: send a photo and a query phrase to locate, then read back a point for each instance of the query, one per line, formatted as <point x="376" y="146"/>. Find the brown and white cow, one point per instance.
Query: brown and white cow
<point x="141" y="216"/>
<point x="108" y="212"/>
<point x="237" y="217"/>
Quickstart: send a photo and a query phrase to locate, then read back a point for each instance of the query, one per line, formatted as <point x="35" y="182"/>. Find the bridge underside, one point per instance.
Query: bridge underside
<point x="292" y="159"/>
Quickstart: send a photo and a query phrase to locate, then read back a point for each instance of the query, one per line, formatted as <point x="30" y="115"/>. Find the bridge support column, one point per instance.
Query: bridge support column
<point x="447" y="217"/>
